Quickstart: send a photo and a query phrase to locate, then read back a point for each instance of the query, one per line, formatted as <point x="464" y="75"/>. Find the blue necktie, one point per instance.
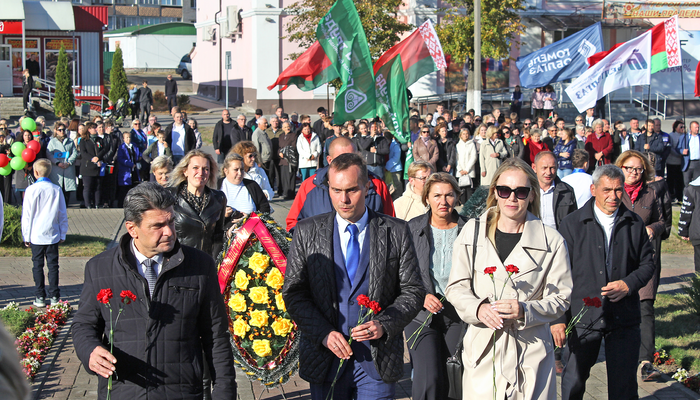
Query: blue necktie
<point x="352" y="254"/>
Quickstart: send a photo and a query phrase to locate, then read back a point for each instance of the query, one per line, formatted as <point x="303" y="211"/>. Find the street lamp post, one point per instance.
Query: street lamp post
<point x="477" y="57"/>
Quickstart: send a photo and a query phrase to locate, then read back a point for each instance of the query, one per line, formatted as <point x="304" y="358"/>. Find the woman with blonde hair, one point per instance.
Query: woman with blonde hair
<point x="200" y="208"/>
<point x="492" y="152"/>
<point x="510" y="279"/>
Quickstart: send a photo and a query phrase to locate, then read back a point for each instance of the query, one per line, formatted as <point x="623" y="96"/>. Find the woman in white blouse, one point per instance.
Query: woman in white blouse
<point x="252" y="170"/>
<point x="309" y="148"/>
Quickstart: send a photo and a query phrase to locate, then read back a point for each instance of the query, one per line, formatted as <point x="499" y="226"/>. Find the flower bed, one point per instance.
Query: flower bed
<point x="34" y="343"/>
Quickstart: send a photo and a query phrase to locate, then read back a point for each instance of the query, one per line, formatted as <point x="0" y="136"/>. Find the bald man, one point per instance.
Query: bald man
<point x="313" y="198"/>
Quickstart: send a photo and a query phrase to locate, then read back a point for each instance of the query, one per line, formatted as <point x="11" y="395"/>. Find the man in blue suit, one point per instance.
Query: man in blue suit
<point x="334" y="258"/>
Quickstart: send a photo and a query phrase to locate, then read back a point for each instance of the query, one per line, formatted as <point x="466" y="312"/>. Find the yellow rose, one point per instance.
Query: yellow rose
<point x="258" y="318"/>
<point x="237" y="303"/>
<point x="280" y="302"/>
<point x="241" y="280"/>
<point x="262" y="347"/>
<point x="240" y="327"/>
<point x="275" y="279"/>
<point x="258" y="262"/>
<point x="282" y="326"/>
<point x="258" y="294"/>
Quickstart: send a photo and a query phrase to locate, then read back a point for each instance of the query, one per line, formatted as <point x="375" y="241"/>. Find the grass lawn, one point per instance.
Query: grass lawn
<point x="678" y="331"/>
<point x="674" y="244"/>
<point x="207" y="134"/>
<point x="74" y="246"/>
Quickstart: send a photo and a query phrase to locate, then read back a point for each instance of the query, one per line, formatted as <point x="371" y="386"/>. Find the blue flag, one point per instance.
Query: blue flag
<point x="565" y="59"/>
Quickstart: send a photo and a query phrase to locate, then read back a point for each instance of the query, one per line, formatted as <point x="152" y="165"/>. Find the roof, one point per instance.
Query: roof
<point x="49" y="15"/>
<point x="12" y="10"/>
<point x="90" y="18"/>
<point x="167" y="28"/>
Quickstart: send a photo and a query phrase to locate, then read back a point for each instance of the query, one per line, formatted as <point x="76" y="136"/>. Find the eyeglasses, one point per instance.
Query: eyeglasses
<point x="425" y="131"/>
<point x="526" y="124"/>
<point x="633" y="170"/>
<point x="251" y="155"/>
<point x="423" y="178"/>
<point x="521" y="193"/>
<point x="61" y="130"/>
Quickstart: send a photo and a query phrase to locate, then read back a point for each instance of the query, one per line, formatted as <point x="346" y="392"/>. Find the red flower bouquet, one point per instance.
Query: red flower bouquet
<point x="588" y="302"/>
<point x="104" y="297"/>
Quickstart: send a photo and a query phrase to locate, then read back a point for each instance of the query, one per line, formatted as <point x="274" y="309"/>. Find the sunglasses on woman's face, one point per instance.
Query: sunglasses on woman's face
<point x="521" y="193"/>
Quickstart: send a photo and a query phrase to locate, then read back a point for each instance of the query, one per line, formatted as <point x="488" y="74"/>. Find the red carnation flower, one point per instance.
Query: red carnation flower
<point x="374" y="306"/>
<point x="512" y="269"/>
<point x="592" y="302"/>
<point x="127" y="296"/>
<point x="363" y="300"/>
<point x="104" y="296"/>
<point x="490" y="270"/>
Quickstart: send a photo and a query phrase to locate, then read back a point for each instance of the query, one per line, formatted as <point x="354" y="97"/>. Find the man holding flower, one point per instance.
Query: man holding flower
<point x="334" y="259"/>
<point x="176" y="320"/>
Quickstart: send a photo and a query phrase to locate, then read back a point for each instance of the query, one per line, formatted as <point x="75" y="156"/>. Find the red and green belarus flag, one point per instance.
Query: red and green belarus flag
<point x="311" y="70"/>
<point x="665" y="47"/>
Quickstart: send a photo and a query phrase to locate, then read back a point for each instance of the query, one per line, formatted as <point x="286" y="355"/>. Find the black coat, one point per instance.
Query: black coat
<point x="220" y="141"/>
<point x="617" y="146"/>
<point x="159" y="342"/>
<point x="448" y="155"/>
<point x="170" y="87"/>
<point x="310" y="291"/>
<point x="88" y="150"/>
<point x="688" y="225"/>
<point x="190" y="138"/>
<point x="564" y="200"/>
<point x="364" y="145"/>
<point x="632" y="262"/>
<point x="205" y="230"/>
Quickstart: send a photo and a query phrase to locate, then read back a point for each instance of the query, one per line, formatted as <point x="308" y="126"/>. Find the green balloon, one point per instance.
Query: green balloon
<point x="28" y="124"/>
<point x="17" y="163"/>
<point x="6" y="170"/>
<point x="18" y="148"/>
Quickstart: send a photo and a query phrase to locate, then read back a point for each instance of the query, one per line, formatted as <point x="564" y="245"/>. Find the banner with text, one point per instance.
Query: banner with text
<point x="565" y="59"/>
<point x="628" y="65"/>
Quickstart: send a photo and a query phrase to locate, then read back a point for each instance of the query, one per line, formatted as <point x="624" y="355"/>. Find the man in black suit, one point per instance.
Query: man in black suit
<point x="611" y="258"/>
<point x="334" y="258"/>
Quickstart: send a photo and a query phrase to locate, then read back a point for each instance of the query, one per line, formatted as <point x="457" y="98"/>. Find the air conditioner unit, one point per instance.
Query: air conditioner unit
<point x="209" y="33"/>
<point x="234" y="21"/>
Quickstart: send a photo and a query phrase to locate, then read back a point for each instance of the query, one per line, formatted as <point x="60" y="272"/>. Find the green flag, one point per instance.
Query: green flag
<point x="392" y="101"/>
<point x="343" y="39"/>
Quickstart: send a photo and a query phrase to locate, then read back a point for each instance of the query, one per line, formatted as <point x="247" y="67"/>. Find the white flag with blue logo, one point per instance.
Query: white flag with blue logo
<point x="628" y="65"/>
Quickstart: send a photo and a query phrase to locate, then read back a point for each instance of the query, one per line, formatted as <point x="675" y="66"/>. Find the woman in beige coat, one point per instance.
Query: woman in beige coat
<point x="492" y="153"/>
<point x="426" y="149"/>
<point x="510" y="233"/>
<point x="410" y="204"/>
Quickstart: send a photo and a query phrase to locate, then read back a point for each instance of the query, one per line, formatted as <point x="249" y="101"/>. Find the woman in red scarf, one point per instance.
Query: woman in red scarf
<point x="643" y="200"/>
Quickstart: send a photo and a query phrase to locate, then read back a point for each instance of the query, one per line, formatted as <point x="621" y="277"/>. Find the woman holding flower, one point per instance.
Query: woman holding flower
<point x="519" y="282"/>
<point x="435" y="332"/>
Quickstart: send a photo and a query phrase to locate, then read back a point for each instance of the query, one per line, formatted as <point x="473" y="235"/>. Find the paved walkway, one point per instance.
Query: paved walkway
<point x="62" y="377"/>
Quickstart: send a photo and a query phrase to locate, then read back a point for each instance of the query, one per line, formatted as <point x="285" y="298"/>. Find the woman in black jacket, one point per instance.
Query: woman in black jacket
<point x="433" y="236"/>
<point x="200" y="208"/>
<point x="447" y="150"/>
<point x="243" y="196"/>
<point x="91" y="154"/>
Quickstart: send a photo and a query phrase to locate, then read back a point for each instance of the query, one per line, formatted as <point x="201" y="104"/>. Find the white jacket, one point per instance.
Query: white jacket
<point x="306" y="150"/>
<point x="466" y="159"/>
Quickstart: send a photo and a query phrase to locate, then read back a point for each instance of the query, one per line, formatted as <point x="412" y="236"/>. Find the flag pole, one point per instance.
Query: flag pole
<point x="682" y="93"/>
<point x="646" y="138"/>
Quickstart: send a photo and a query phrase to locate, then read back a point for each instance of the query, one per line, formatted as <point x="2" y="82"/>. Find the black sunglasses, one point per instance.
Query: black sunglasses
<point x="521" y="193"/>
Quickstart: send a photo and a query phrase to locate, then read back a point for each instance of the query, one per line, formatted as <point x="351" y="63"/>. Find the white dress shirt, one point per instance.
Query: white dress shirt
<point x="547" y="207"/>
<point x="694" y="147"/>
<point x="345" y="235"/>
<point x="581" y="182"/>
<point x="178" y="135"/>
<point x="624" y="143"/>
<point x="44" y="218"/>
<point x="140" y="258"/>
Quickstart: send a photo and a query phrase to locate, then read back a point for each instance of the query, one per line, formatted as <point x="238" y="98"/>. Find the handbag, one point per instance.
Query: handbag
<point x="455" y="368"/>
<point x="290" y="153"/>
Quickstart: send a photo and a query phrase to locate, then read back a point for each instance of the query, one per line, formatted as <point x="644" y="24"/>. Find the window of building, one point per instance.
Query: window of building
<point x="171" y="2"/>
<point x="150" y="2"/>
<point x="193" y="3"/>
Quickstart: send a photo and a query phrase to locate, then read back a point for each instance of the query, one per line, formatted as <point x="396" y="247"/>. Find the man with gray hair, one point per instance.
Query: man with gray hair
<point x="174" y="321"/>
<point x="611" y="259"/>
<point x="263" y="144"/>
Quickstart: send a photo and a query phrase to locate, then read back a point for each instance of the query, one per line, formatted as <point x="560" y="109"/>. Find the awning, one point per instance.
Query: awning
<point x="12" y="9"/>
<point x="48" y="15"/>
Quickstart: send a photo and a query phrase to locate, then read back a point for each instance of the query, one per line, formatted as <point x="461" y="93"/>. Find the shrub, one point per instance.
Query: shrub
<point x="183" y="100"/>
<point x="64" y="102"/>
<point x="159" y="99"/>
<point x="117" y="78"/>
<point x="12" y="227"/>
<point x="16" y="321"/>
<point x="691" y="298"/>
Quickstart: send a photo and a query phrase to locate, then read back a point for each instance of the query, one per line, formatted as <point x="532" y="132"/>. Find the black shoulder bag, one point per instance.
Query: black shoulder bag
<point x="455" y="369"/>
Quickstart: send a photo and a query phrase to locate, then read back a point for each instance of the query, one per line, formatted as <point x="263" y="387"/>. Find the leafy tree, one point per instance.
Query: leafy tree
<point x="379" y="19"/>
<point x="117" y="78"/>
<point x="64" y="102"/>
<point x="500" y="24"/>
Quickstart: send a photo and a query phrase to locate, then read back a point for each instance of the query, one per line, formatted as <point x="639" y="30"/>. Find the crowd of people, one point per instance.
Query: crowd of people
<point x="574" y="209"/>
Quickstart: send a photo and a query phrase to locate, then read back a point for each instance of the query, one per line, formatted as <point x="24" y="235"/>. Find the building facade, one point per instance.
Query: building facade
<point x="126" y="13"/>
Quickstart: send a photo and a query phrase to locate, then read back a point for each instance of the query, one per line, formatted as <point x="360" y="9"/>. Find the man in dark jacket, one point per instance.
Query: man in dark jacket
<point x="171" y="92"/>
<point x="622" y="141"/>
<point x="319" y="128"/>
<point x="145" y="96"/>
<point x="373" y="148"/>
<point x="313" y="199"/>
<point x="653" y="142"/>
<point x="335" y="258"/>
<point x="557" y="199"/>
<point x="240" y="131"/>
<point x="177" y="321"/>
<point x="180" y="138"/>
<point x="27" y="86"/>
<point x="612" y="257"/>
<point x="221" y="137"/>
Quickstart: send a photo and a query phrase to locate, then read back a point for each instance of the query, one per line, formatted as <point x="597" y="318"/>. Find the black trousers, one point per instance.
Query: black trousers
<point x="145" y="112"/>
<point x="696" y="257"/>
<point x="269" y="168"/>
<point x="50" y="252"/>
<point x="288" y="179"/>
<point x="92" y="191"/>
<point x="674" y="178"/>
<point x="134" y="110"/>
<point x="433" y="346"/>
<point x="121" y="194"/>
<point x="621" y="346"/>
<point x="467" y="192"/>
<point x="648" y="330"/>
<point x="25" y="99"/>
<point x="172" y="101"/>
<point x="692" y="172"/>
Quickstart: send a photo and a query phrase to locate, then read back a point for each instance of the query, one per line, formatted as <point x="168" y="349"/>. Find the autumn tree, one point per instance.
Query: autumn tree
<point x="379" y="20"/>
<point x="500" y="24"/>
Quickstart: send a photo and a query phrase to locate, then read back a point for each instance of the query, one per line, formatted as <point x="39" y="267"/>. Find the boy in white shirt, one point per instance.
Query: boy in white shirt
<point x="44" y="227"/>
